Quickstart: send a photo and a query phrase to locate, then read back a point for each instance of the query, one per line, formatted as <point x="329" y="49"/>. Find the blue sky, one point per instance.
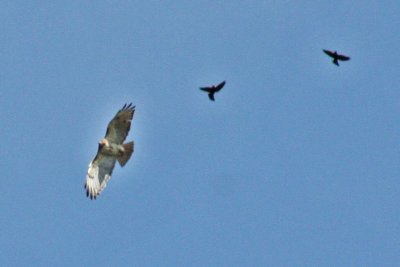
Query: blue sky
<point x="296" y="163"/>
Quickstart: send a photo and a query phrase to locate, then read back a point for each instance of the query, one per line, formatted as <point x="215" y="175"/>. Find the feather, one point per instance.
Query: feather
<point x="118" y="128"/>
<point x="99" y="172"/>
<point x="128" y="150"/>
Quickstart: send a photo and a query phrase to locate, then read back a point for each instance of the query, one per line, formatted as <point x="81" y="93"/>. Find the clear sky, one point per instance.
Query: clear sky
<point x="296" y="163"/>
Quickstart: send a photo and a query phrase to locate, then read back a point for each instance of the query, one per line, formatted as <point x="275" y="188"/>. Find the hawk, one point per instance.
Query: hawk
<point x="211" y="90"/>
<point x="336" y="57"/>
<point x="111" y="149"/>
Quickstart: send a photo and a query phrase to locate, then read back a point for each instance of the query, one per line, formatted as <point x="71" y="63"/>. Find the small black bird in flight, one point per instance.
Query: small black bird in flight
<point x="336" y="57"/>
<point x="211" y="90"/>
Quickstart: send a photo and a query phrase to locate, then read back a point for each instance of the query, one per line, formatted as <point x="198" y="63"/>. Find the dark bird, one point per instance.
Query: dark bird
<point x="111" y="149"/>
<point x="211" y="90"/>
<point x="336" y="57"/>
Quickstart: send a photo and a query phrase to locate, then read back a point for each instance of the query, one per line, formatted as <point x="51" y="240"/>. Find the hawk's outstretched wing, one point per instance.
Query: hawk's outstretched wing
<point x="98" y="174"/>
<point x="119" y="126"/>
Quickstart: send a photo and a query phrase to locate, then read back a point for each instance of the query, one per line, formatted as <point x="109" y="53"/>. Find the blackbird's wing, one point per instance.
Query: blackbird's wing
<point x="343" y="57"/>
<point x="206" y="89"/>
<point x="219" y="86"/>
<point x="329" y="53"/>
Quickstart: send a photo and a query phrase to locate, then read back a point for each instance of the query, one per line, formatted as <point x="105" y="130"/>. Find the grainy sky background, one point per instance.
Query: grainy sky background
<point x="296" y="163"/>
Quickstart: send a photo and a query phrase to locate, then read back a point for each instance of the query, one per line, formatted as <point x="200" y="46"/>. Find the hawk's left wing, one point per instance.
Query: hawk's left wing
<point x="119" y="126"/>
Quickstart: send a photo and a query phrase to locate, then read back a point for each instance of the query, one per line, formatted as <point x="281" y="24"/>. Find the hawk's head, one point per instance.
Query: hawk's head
<point x="104" y="142"/>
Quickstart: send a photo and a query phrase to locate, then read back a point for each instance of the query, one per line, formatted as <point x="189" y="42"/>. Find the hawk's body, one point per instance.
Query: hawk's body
<point x="111" y="149"/>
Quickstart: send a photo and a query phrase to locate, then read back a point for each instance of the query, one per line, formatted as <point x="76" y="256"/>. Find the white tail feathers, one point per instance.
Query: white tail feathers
<point x="128" y="147"/>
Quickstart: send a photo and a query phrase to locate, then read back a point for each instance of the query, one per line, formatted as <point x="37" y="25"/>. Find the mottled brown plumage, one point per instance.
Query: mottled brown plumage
<point x="110" y="150"/>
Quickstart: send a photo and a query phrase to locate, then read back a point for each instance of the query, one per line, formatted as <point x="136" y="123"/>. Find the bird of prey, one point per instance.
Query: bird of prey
<point x="336" y="57"/>
<point x="211" y="90"/>
<point x="111" y="149"/>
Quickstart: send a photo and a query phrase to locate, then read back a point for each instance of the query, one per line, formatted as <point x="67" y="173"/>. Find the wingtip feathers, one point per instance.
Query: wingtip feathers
<point x="128" y="107"/>
<point x="92" y="185"/>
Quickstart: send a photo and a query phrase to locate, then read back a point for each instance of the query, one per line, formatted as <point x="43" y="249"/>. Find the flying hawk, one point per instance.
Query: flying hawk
<point x="111" y="149"/>
<point x="336" y="57"/>
<point x="211" y="90"/>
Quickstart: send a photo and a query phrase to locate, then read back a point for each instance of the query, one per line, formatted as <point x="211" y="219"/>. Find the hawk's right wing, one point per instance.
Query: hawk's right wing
<point x="98" y="174"/>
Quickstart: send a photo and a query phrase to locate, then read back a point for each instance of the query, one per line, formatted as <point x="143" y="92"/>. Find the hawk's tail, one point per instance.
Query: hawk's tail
<point x="128" y="147"/>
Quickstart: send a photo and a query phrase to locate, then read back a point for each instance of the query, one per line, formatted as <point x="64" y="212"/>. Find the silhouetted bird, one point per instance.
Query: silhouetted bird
<point x="336" y="57"/>
<point x="211" y="90"/>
